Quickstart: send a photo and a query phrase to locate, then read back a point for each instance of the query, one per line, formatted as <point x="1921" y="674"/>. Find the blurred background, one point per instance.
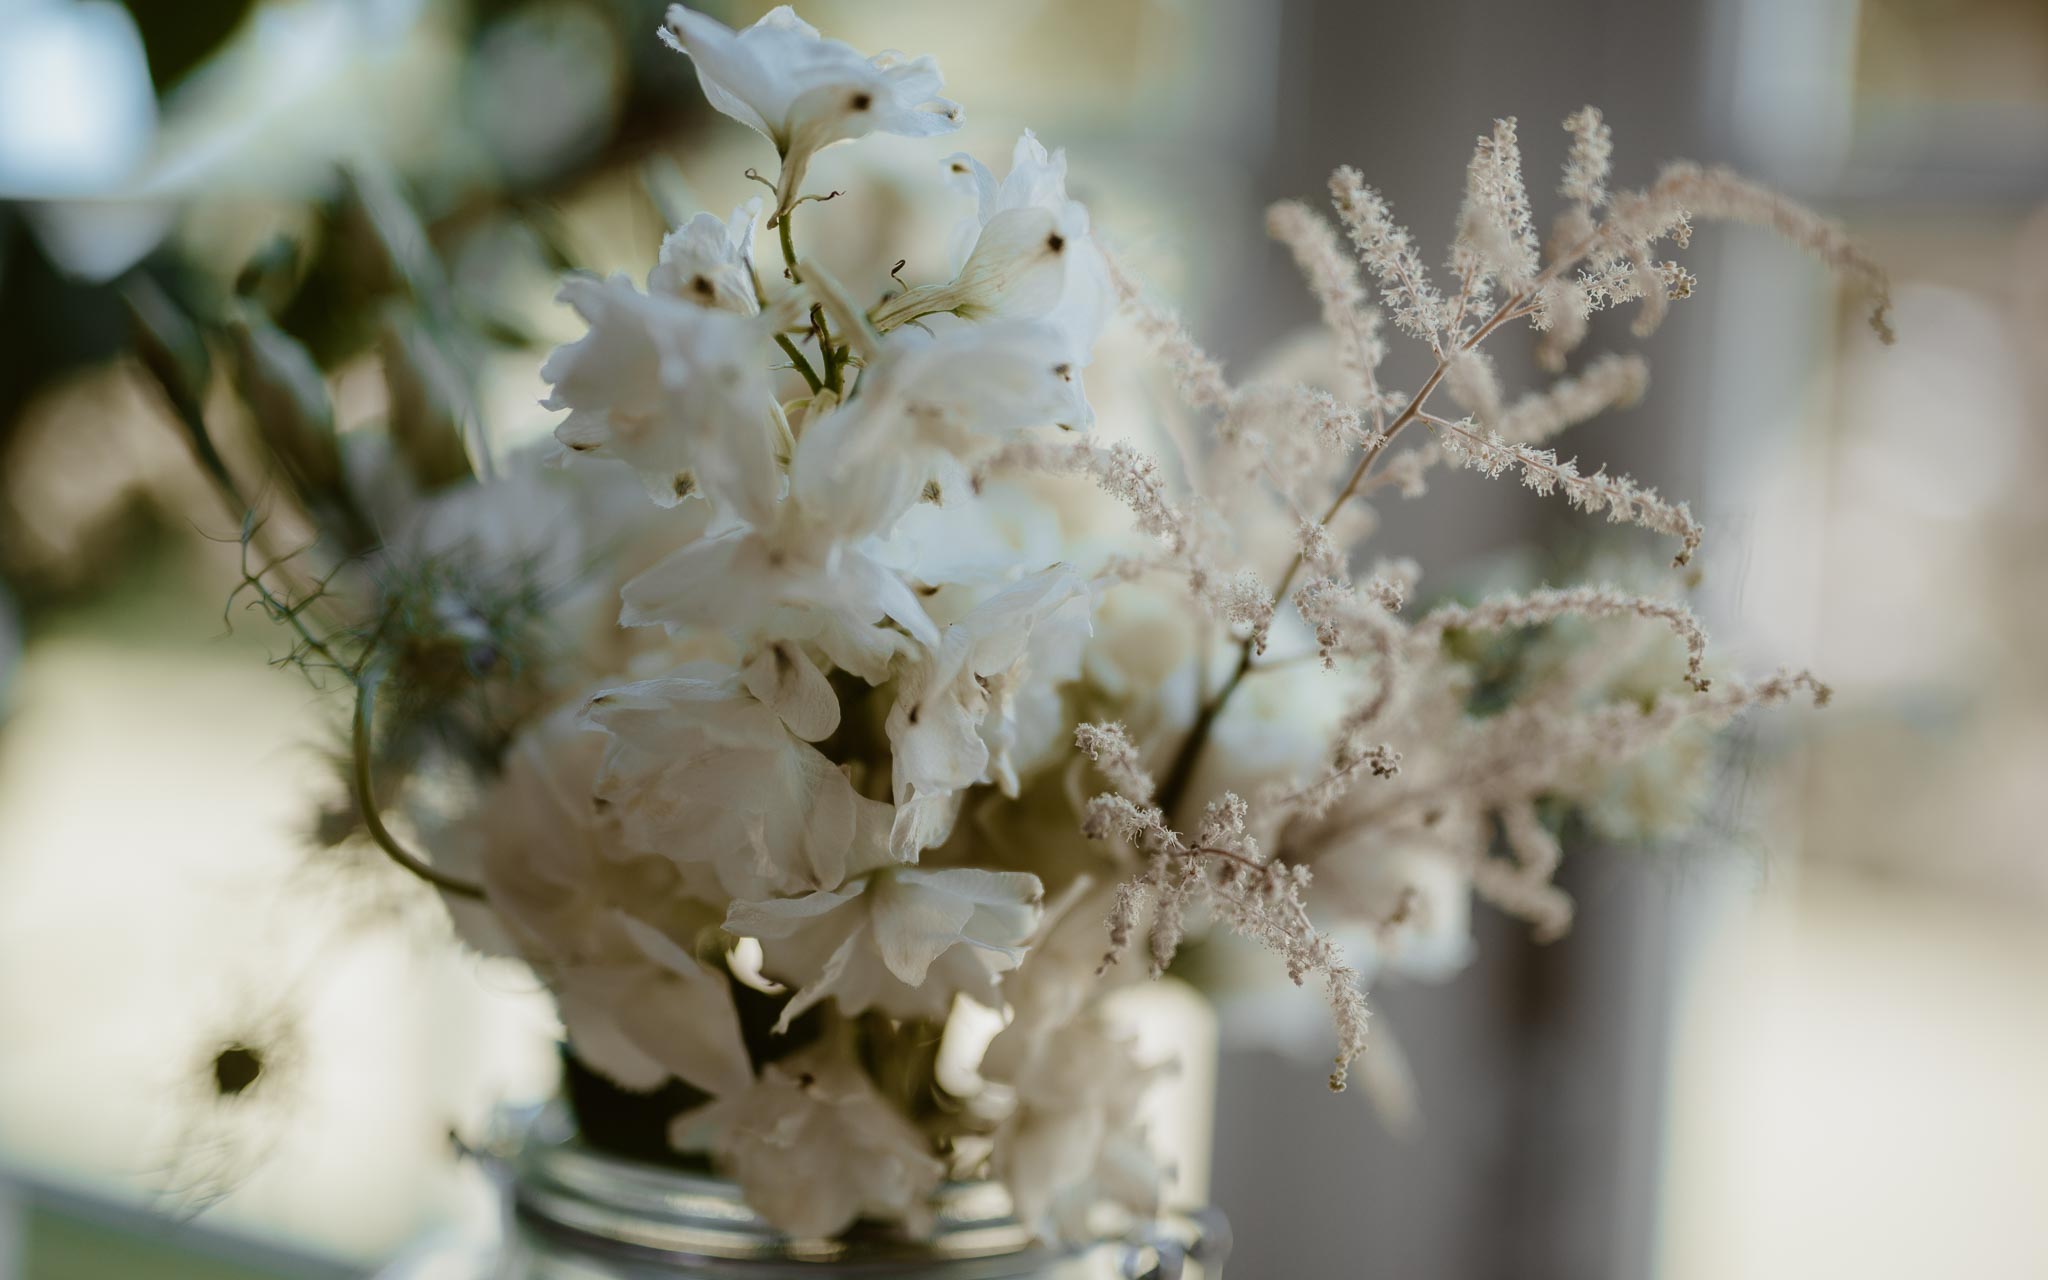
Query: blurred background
<point x="1809" y="1042"/>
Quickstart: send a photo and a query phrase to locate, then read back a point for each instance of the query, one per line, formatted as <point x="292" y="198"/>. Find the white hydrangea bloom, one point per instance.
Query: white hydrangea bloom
<point x="594" y="917"/>
<point x="1147" y="655"/>
<point x="814" y="1145"/>
<point x="1072" y="1141"/>
<point x="659" y="1012"/>
<point x="1421" y="883"/>
<point x="1276" y="734"/>
<point x="1057" y="986"/>
<point x="963" y="708"/>
<point x="706" y="774"/>
<point x="804" y="92"/>
<point x="1025" y="254"/>
<point x="709" y="262"/>
<point x="904" y="940"/>
<point x="678" y="392"/>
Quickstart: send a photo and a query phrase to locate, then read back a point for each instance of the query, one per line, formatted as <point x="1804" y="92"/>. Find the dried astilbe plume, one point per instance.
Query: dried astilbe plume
<point x="1410" y="767"/>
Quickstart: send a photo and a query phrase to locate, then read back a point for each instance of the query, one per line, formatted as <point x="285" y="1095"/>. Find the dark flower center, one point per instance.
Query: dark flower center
<point x="235" y="1069"/>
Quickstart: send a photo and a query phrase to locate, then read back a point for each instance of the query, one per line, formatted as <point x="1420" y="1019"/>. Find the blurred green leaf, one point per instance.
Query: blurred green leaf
<point x="173" y="349"/>
<point x="285" y="394"/>
<point x="395" y="241"/>
<point x="433" y="405"/>
<point x="271" y="277"/>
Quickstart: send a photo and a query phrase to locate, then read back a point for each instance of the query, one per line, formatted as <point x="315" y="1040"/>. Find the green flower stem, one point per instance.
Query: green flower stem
<point x="826" y="351"/>
<point x="366" y="798"/>
<point x="802" y="366"/>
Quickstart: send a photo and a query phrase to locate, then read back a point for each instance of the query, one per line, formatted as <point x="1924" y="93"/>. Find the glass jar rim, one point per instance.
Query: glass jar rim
<point x="597" y="1202"/>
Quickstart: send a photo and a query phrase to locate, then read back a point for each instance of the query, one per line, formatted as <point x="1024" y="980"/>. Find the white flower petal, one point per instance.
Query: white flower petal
<point x="783" y="676"/>
<point x="958" y="703"/>
<point x="599" y="1044"/>
<point x="782" y="917"/>
<point x="1026" y="254"/>
<point x="915" y="925"/>
<point x="708" y="262"/>
<point x="701" y="772"/>
<point x="920" y="915"/>
<point x="804" y="92"/>
<point x="682" y="1015"/>
<point x="678" y="392"/>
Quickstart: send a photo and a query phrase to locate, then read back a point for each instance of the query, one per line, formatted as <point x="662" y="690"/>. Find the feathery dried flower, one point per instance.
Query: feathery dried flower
<point x="1724" y="195"/>
<point x="1332" y="276"/>
<point x="1111" y="750"/>
<point x="1389" y="253"/>
<point x="1551" y="603"/>
<point x="1592" y="157"/>
<point x="1624" y="501"/>
<point x="1197" y="375"/>
<point x="1522" y="888"/>
<point x="1496" y="233"/>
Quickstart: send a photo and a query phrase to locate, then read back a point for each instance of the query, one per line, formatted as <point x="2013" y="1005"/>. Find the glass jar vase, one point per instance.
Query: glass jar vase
<point x="577" y="1211"/>
<point x="578" y="1214"/>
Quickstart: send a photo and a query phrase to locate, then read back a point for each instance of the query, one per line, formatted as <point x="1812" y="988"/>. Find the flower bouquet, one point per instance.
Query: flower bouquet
<point x="836" y="693"/>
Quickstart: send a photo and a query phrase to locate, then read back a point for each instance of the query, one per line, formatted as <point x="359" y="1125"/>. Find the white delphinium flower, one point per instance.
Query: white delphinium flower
<point x="804" y="92"/>
<point x="1026" y="254"/>
<point x="595" y="918"/>
<point x="927" y="407"/>
<point x="964" y="389"/>
<point x="962" y="709"/>
<point x="814" y="1145"/>
<point x="976" y="537"/>
<point x="813" y="569"/>
<point x="709" y="262"/>
<point x="680" y="393"/>
<point x="903" y="940"/>
<point x="702" y="771"/>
